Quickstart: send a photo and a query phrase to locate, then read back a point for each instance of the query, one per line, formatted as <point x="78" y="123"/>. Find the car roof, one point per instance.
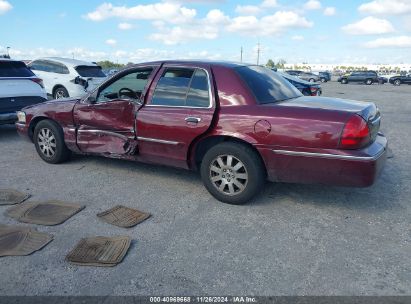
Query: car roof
<point x="68" y="61"/>
<point x="200" y="62"/>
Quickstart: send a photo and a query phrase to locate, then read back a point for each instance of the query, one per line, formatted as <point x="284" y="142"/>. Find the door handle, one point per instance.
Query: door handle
<point x="193" y="119"/>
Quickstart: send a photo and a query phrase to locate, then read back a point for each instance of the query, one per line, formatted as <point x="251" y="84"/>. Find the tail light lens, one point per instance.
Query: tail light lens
<point x="356" y="133"/>
<point x="38" y="81"/>
<point x="313" y="91"/>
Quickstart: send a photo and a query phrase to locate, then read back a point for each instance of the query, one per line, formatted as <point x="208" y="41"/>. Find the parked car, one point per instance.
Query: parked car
<point x="398" y="80"/>
<point x="382" y="79"/>
<point x="65" y="78"/>
<point x="324" y="76"/>
<point x="19" y="87"/>
<point x="311" y="77"/>
<point x="294" y="72"/>
<point x="305" y="87"/>
<point x="237" y="124"/>
<point x="367" y="77"/>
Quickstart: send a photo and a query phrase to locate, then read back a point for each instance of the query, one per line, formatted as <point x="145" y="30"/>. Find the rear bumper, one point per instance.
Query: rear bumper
<point x="357" y="168"/>
<point x="8" y="118"/>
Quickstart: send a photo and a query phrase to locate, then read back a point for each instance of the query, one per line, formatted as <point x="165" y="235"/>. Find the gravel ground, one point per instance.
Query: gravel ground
<point x="292" y="240"/>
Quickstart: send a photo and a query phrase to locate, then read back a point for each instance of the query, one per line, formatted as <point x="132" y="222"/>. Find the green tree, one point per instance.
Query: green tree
<point x="270" y="64"/>
<point x="106" y="64"/>
<point x="280" y="64"/>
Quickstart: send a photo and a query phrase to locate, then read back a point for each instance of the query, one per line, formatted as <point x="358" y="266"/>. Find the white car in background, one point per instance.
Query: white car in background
<point x="65" y="77"/>
<point x="19" y="87"/>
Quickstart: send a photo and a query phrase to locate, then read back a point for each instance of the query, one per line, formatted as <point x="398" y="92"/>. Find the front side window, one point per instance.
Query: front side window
<point x="266" y="85"/>
<point x="129" y="86"/>
<point x="182" y="87"/>
<point x="38" y="65"/>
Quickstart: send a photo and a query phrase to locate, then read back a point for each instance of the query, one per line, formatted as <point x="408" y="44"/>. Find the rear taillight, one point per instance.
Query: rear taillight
<point x="313" y="91"/>
<point x="356" y="133"/>
<point x="38" y="81"/>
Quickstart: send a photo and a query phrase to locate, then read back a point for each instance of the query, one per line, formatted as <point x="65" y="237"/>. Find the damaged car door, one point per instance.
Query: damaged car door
<point x="106" y="119"/>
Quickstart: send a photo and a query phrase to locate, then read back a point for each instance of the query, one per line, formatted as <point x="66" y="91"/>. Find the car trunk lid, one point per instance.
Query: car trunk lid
<point x="367" y="110"/>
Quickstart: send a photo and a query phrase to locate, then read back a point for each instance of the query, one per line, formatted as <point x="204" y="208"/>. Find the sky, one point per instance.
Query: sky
<point x="306" y="31"/>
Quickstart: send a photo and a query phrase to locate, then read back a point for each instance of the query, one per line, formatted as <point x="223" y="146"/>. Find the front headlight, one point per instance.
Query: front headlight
<point x="21" y="117"/>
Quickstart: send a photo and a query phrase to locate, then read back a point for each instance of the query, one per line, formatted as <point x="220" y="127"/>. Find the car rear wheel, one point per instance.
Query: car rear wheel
<point x="397" y="82"/>
<point x="60" y="92"/>
<point x="344" y="81"/>
<point x="311" y="80"/>
<point x="49" y="141"/>
<point x="233" y="173"/>
<point x="323" y="80"/>
<point x="368" y="82"/>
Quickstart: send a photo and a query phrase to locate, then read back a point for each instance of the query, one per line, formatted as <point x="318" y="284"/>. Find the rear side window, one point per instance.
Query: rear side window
<point x="14" y="69"/>
<point x="182" y="87"/>
<point x="198" y="95"/>
<point x="266" y="85"/>
<point x="172" y="87"/>
<point x="90" y="71"/>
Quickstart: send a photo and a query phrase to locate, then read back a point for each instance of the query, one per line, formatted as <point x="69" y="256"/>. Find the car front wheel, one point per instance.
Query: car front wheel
<point x="368" y="82"/>
<point x="233" y="173"/>
<point x="344" y="81"/>
<point x="49" y="141"/>
<point x="397" y="82"/>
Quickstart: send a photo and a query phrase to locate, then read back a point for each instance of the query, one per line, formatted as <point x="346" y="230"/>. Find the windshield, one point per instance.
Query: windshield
<point x="90" y="71"/>
<point x="266" y="85"/>
<point x="14" y="69"/>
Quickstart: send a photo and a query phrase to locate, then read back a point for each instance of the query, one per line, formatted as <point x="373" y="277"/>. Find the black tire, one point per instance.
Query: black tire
<point x="344" y="81"/>
<point x="249" y="166"/>
<point x="323" y="80"/>
<point x="369" y="82"/>
<point x="60" y="92"/>
<point x="397" y="82"/>
<point x="53" y="150"/>
<point x="311" y="80"/>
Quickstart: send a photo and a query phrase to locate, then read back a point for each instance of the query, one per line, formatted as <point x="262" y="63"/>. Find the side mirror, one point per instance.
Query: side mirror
<point x="91" y="99"/>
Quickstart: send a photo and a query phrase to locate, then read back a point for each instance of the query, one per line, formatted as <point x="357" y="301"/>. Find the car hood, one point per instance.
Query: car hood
<point x="367" y="110"/>
<point x="67" y="102"/>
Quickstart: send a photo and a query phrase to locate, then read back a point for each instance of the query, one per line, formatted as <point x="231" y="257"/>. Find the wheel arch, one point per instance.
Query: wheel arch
<point x="200" y="148"/>
<point x="34" y="122"/>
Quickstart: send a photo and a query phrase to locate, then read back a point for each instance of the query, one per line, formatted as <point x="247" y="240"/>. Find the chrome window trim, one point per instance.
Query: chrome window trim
<point x="330" y="156"/>
<point x="160" y="141"/>
<point x="210" y="96"/>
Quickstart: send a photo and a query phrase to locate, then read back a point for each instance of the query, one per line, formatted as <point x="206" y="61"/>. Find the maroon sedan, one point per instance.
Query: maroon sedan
<point x="237" y="124"/>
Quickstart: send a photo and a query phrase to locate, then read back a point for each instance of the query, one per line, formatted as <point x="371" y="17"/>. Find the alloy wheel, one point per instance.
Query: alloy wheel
<point x="47" y="142"/>
<point x="60" y="94"/>
<point x="228" y="174"/>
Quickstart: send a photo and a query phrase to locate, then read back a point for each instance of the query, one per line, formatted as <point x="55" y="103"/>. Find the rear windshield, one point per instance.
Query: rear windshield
<point x="90" y="71"/>
<point x="14" y="69"/>
<point x="266" y="85"/>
